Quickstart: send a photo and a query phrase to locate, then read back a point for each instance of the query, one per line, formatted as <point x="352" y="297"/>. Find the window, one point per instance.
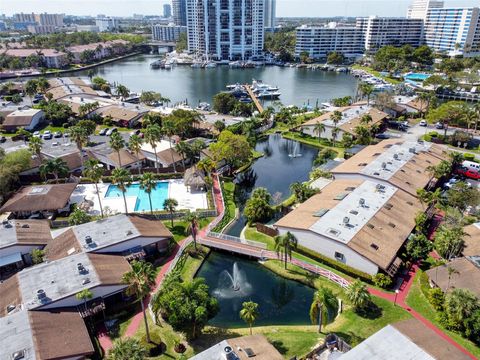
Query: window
<point x="340" y="196"/>
<point x="410" y="203"/>
<point x="371" y="226"/>
<point x="388" y="206"/>
<point x="339" y="256"/>
<point x="391" y="224"/>
<point x="320" y="212"/>
<point x="350" y="188"/>
<point x="374" y="246"/>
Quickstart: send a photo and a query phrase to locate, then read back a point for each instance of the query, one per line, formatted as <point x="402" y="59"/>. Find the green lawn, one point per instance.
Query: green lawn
<point x="189" y="263"/>
<point x="179" y="229"/>
<point x="230" y="206"/>
<point x="313" y="142"/>
<point x="419" y="302"/>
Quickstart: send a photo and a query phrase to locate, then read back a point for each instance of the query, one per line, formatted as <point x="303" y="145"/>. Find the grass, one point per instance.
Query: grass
<point x="313" y="142"/>
<point x="417" y="301"/>
<point x="189" y="263"/>
<point x="228" y="188"/>
<point x="179" y="229"/>
<point x="377" y="74"/>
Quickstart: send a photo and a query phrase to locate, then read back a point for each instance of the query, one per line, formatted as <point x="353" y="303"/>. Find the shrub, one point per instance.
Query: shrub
<point x="427" y="138"/>
<point x="382" y="280"/>
<point x="469" y="157"/>
<point x="436" y="298"/>
<point x="433" y="134"/>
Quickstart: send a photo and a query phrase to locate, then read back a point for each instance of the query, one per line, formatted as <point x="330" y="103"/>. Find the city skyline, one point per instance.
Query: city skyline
<point x="285" y="8"/>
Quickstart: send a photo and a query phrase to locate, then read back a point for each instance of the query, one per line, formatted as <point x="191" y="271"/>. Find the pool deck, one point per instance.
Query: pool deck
<point x="176" y="190"/>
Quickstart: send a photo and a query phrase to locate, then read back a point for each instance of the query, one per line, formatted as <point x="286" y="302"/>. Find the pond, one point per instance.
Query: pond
<point x="284" y="162"/>
<point x="233" y="280"/>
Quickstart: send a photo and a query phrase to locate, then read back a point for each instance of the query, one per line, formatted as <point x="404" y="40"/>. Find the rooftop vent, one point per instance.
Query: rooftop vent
<point x="10" y="308"/>
<point x="25" y="226"/>
<point x="85" y="281"/>
<point x="249" y="352"/>
<point x="388" y="206"/>
<point x="361" y="202"/>
<point x="81" y="269"/>
<point x="412" y="150"/>
<point x="353" y="212"/>
<point x="346" y="220"/>
<point x="88" y="240"/>
<point x="17" y="355"/>
<point x="376" y="173"/>
<point x="334" y="232"/>
<point x="41" y="295"/>
<point x="380" y="188"/>
<point x="129" y="232"/>
<point x="320" y="212"/>
<point x="384" y="165"/>
<point x="374" y="246"/>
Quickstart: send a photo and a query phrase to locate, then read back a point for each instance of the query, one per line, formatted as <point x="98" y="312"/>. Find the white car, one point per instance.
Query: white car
<point x="36" y="134"/>
<point x="47" y="135"/>
<point x="423" y="123"/>
<point x="111" y="131"/>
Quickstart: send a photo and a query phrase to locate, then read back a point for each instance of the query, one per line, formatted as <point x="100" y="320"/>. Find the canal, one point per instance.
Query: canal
<point x="298" y="86"/>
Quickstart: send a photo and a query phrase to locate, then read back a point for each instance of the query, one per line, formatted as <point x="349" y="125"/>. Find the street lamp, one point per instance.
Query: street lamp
<point x="395" y="300"/>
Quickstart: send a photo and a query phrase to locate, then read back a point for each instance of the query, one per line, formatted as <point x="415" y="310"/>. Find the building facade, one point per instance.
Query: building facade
<point x="180" y="12"/>
<point x="167" y="10"/>
<point x="419" y="8"/>
<point x="382" y="31"/>
<point x="106" y="24"/>
<point x="319" y="41"/>
<point x="453" y="31"/>
<point x="167" y="33"/>
<point x="226" y="29"/>
<point x="270" y="11"/>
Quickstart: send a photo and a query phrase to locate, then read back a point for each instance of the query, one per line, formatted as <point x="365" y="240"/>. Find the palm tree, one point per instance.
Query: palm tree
<point x="470" y="117"/>
<point x="476" y="107"/>
<point x="152" y="135"/>
<point x="121" y="178"/>
<point x="127" y="349"/>
<point x="366" y="90"/>
<point x="451" y="271"/>
<point x="335" y="132"/>
<point x="170" y="206"/>
<point x="169" y="129"/>
<point x="366" y="119"/>
<point x="80" y="137"/>
<point x="42" y="85"/>
<point x="122" y="91"/>
<point x="336" y="117"/>
<point x="35" y="146"/>
<point x="324" y="303"/>
<point x="358" y="295"/>
<point x="148" y="184"/>
<point x="84" y="295"/>
<point x="192" y="219"/>
<point x="249" y="313"/>
<point x="31" y="89"/>
<point x="183" y="148"/>
<point x="117" y="143"/>
<point x="140" y="281"/>
<point x="135" y="145"/>
<point x="318" y="129"/>
<point x="94" y="170"/>
<point x="284" y="244"/>
<point x="57" y="167"/>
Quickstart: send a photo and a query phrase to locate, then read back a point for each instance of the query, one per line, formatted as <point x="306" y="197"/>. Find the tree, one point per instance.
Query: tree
<point x="38" y="256"/>
<point x="170" y="206"/>
<point x="304" y="57"/>
<point x="384" y="100"/>
<point x="186" y="306"/>
<point x="366" y="90"/>
<point x="148" y="184"/>
<point x="460" y="304"/>
<point x="84" y="295"/>
<point x="16" y="99"/>
<point x="302" y="191"/>
<point x="150" y="98"/>
<point x="89" y="126"/>
<point x="94" y="170"/>
<point x="127" y="349"/>
<point x="363" y="135"/>
<point x="121" y="178"/>
<point x="441" y="170"/>
<point x="449" y="242"/>
<point x="224" y="103"/>
<point x="219" y="125"/>
<point x="140" y="281"/>
<point x="357" y="293"/>
<point x="258" y="207"/>
<point x="284" y="244"/>
<point x="56" y="112"/>
<point x="449" y="113"/>
<point x="461" y="196"/>
<point x="324" y="303"/>
<point x="35" y="146"/>
<point x="153" y="134"/>
<point x="335" y="132"/>
<point x="170" y="130"/>
<point x="451" y="271"/>
<point x="184" y="149"/>
<point x="336" y="117"/>
<point x="122" y="91"/>
<point x="57" y="167"/>
<point x="234" y="149"/>
<point x="78" y="217"/>
<point x="31" y="89"/>
<point x="135" y="146"/>
<point x="193" y="226"/>
<point x="318" y="129"/>
<point x="80" y="137"/>
<point x="117" y="143"/>
<point x="418" y="247"/>
<point x="249" y="313"/>
<point x="335" y="58"/>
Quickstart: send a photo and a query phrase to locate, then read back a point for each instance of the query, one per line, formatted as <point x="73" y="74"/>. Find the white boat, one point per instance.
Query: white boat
<point x="235" y="64"/>
<point x="233" y="86"/>
<point x="197" y="64"/>
<point x="210" y="65"/>
<point x="258" y="86"/>
<point x="268" y="94"/>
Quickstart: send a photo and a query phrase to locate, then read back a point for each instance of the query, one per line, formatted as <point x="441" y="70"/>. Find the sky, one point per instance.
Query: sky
<point x="285" y="8"/>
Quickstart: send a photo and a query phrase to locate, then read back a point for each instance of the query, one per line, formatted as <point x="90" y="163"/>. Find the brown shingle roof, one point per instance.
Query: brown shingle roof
<point x="150" y="228"/>
<point x="429" y="340"/>
<point x="377" y="117"/>
<point x="165" y="157"/>
<point x="36" y="232"/>
<point x="61" y="246"/>
<point x="117" y="112"/>
<point x="110" y="268"/>
<point x="126" y="157"/>
<point x="59" y="335"/>
<point x="323" y="117"/>
<point x="39" y="198"/>
<point x="10" y="294"/>
<point x="468" y="276"/>
<point x="472" y="241"/>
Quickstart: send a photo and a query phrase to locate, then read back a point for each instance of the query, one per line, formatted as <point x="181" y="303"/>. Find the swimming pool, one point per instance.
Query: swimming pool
<point x="159" y="194"/>
<point x="417" y="76"/>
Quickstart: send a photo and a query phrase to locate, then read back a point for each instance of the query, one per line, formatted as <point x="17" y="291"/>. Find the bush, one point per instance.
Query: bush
<point x="427" y="138"/>
<point x="334" y="264"/>
<point x="469" y="157"/>
<point x="433" y="134"/>
<point x="382" y="280"/>
<point x="436" y="298"/>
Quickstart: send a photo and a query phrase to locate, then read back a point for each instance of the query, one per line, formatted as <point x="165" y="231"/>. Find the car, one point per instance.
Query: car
<point x="423" y="123"/>
<point x="66" y="134"/>
<point x="439" y="125"/>
<point x="382" y="136"/>
<point x="47" y="135"/>
<point x="55" y="143"/>
<point x="455" y="180"/>
<point x="3" y="139"/>
<point x="103" y="132"/>
<point x="57" y="134"/>
<point x="111" y="131"/>
<point x="36" y="134"/>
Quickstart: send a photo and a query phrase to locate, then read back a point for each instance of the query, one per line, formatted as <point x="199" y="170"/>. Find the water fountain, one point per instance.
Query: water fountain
<point x="232" y="285"/>
<point x="295" y="154"/>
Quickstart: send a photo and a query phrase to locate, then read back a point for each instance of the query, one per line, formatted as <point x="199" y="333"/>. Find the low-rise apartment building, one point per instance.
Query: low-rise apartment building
<point x="167" y="33"/>
<point x="51" y="58"/>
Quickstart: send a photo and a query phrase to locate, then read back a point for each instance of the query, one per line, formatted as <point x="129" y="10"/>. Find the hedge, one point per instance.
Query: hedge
<point x="334" y="264"/>
<point x="469" y="157"/>
<point x="136" y="177"/>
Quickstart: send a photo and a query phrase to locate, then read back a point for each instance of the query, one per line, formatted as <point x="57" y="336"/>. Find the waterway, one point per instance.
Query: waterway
<point x="275" y="171"/>
<point x="281" y="301"/>
<point x="298" y="86"/>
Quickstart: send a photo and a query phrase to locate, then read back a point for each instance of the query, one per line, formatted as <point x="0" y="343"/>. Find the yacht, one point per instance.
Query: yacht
<point x="197" y="64"/>
<point x="235" y="64"/>
<point x="268" y="94"/>
<point x="258" y="86"/>
<point x="210" y="65"/>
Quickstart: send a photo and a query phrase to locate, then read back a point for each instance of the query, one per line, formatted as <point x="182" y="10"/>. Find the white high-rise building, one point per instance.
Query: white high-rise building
<point x="167" y="33"/>
<point x="453" y="31"/>
<point x="270" y="11"/>
<point x="106" y="24"/>
<point x="419" y="8"/>
<point x="226" y="29"/>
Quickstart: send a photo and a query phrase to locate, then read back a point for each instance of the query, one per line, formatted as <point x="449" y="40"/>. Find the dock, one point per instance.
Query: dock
<point x="254" y="99"/>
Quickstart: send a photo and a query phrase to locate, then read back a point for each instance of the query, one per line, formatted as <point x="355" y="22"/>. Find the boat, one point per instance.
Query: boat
<point x="204" y="106"/>
<point x="210" y="65"/>
<point x="158" y="64"/>
<point x="268" y="94"/>
<point x="235" y="64"/>
<point x="258" y="86"/>
<point x="197" y="64"/>
<point x="233" y="86"/>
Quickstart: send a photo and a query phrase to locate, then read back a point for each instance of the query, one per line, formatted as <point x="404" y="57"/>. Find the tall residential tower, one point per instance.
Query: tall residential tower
<point x="180" y="12"/>
<point x="270" y="11"/>
<point x="419" y="8"/>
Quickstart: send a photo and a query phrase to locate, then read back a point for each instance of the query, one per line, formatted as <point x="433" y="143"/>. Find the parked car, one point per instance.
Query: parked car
<point x="137" y="132"/>
<point x="382" y="136"/>
<point x="57" y="134"/>
<point x="47" y="135"/>
<point x="439" y="125"/>
<point x="111" y="131"/>
<point x="103" y="131"/>
<point x="456" y="180"/>
<point x="423" y="123"/>
<point x="36" y="134"/>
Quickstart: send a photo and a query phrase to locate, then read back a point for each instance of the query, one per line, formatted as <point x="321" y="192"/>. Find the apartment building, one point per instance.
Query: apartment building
<point x="179" y="8"/>
<point x="167" y="10"/>
<point x="168" y="33"/>
<point x="106" y="24"/>
<point x="319" y="41"/>
<point x="226" y="29"/>
<point x="270" y="11"/>
<point x="453" y="31"/>
<point x="419" y="8"/>
<point x="381" y="31"/>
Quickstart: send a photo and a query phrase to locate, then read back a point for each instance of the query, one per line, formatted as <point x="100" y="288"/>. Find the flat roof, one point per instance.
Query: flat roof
<point x="472" y="241"/>
<point x="16" y="335"/>
<point x="24" y="112"/>
<point x="26" y="232"/>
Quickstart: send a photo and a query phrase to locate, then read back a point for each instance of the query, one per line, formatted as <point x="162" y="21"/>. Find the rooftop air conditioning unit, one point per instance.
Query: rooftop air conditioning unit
<point x="384" y="165"/>
<point x="80" y="268"/>
<point x="41" y="295"/>
<point x="85" y="281"/>
<point x="346" y="220"/>
<point x="361" y="202"/>
<point x="396" y="157"/>
<point x="17" y="355"/>
<point x="88" y="240"/>
<point x="412" y="150"/>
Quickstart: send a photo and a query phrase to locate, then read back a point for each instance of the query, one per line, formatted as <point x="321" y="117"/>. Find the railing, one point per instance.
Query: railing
<point x="224" y="237"/>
